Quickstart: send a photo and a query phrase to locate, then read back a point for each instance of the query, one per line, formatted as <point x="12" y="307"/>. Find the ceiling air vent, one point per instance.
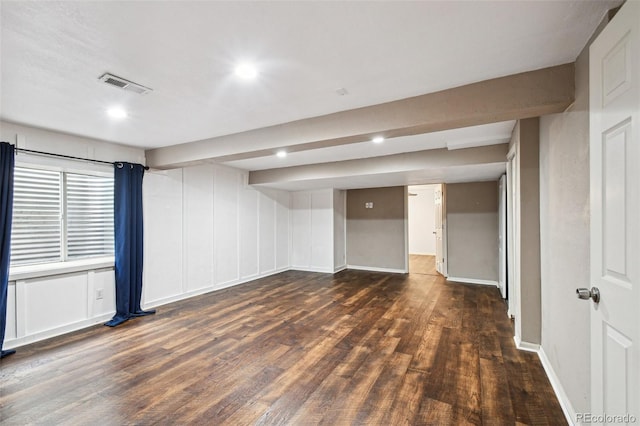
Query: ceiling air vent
<point x="125" y="84"/>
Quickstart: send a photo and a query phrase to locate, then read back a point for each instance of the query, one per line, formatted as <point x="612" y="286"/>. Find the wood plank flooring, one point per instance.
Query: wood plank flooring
<point x="298" y="348"/>
<point x="422" y="264"/>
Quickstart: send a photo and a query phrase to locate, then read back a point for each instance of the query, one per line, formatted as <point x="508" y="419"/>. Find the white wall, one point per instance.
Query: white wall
<point x="422" y="220"/>
<point x="312" y="230"/>
<point x="206" y="230"/>
<point x="339" y="230"/>
<point x="62" y="143"/>
<point x="46" y="304"/>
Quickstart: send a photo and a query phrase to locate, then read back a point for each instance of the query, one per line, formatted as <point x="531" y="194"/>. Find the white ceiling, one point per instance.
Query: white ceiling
<point x="53" y="52"/>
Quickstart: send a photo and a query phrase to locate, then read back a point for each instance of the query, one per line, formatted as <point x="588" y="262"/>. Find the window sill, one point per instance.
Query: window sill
<point x="48" y="269"/>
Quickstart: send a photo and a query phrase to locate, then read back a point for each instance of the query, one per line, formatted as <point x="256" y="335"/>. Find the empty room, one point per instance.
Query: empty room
<point x="320" y="212"/>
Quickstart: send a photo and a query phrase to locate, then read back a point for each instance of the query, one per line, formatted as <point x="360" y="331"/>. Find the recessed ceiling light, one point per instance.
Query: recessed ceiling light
<point x="378" y="139"/>
<point x="281" y="154"/>
<point x="117" y="112"/>
<point x="246" y="71"/>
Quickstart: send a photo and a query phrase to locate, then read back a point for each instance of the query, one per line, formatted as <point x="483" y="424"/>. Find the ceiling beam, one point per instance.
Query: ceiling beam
<point x="439" y="159"/>
<point x="524" y="95"/>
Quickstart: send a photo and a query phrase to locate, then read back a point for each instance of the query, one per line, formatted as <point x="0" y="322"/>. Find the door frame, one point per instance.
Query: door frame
<point x="513" y="229"/>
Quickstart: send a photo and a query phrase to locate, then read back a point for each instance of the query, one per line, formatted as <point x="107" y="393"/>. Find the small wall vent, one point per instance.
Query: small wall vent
<point x="124" y="84"/>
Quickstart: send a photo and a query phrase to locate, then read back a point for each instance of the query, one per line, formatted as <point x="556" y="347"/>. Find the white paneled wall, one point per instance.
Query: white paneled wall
<point x="339" y="230"/>
<point x="197" y="226"/>
<point x="162" y="205"/>
<point x="313" y="231"/>
<point x="39" y="308"/>
<point x="206" y="230"/>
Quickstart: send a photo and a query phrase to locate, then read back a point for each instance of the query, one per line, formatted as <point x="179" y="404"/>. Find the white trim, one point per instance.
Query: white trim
<point x="473" y="281"/>
<point x="312" y="269"/>
<point x="339" y="268"/>
<point x="17" y="273"/>
<point x="57" y="331"/>
<point x="422" y="254"/>
<point x="526" y="346"/>
<point x="376" y="269"/>
<point x="563" y="399"/>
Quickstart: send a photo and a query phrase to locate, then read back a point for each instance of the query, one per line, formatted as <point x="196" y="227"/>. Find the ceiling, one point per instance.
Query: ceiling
<point x="53" y="53"/>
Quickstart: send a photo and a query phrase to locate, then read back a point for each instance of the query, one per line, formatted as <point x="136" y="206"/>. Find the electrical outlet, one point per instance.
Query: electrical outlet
<point x="99" y="294"/>
<point x="368" y="205"/>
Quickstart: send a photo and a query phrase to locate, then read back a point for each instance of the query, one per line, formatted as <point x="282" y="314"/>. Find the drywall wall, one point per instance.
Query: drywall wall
<point x="376" y="237"/>
<point x="65" y="144"/>
<point x="422" y="220"/>
<point x="564" y="241"/>
<point x="472" y="232"/>
<point x="526" y="142"/>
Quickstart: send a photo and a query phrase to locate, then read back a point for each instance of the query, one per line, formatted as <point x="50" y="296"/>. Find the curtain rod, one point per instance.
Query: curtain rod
<point x="71" y="157"/>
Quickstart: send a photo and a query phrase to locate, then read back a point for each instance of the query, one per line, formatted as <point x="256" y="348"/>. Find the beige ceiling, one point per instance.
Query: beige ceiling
<point x="53" y="53"/>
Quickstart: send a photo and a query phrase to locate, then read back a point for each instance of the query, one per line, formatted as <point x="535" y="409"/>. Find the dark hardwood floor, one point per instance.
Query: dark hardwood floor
<point x="296" y="348"/>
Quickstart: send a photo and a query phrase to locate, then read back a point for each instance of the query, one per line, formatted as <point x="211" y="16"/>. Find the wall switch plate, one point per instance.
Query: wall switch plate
<point x="368" y="205"/>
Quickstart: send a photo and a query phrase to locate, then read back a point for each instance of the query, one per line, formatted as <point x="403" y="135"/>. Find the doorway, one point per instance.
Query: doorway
<point x="422" y="233"/>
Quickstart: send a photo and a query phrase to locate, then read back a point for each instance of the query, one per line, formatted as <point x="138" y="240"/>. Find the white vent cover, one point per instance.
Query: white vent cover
<point x="123" y="83"/>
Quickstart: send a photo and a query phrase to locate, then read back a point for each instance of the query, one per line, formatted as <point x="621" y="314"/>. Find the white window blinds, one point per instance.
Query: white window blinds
<point x="60" y="216"/>
<point x="89" y="215"/>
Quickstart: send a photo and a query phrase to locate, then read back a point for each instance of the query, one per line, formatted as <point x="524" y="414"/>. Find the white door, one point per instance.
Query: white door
<point x="439" y="225"/>
<point x="615" y="218"/>
<point x="502" y="238"/>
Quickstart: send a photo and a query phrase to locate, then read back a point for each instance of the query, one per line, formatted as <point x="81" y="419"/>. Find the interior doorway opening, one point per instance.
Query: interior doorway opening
<point x="423" y="214"/>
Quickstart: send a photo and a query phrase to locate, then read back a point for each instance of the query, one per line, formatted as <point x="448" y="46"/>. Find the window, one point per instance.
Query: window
<point x="60" y="216"/>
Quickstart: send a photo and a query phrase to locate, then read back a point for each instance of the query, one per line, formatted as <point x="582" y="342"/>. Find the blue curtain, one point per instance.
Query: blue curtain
<point x="128" y="229"/>
<point x="7" y="161"/>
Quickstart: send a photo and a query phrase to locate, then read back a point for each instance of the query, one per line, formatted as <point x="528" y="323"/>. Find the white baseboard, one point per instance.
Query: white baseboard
<point x="563" y="399"/>
<point x="312" y="269"/>
<point x="473" y="281"/>
<point x="205" y="290"/>
<point x="567" y="407"/>
<point x="339" y="268"/>
<point x="424" y="254"/>
<point x="526" y="346"/>
<point x="54" y="332"/>
<point x="376" y="269"/>
<point x="58" y="331"/>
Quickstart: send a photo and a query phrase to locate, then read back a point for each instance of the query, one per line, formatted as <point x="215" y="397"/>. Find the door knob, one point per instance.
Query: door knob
<point x="586" y="294"/>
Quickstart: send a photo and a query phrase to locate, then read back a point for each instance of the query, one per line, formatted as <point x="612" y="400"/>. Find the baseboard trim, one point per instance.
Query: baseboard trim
<point x="376" y="269"/>
<point x="205" y="290"/>
<point x="57" y="331"/>
<point x="312" y="269"/>
<point x="86" y="323"/>
<point x="567" y="407"/>
<point x="473" y="281"/>
<point x="526" y="346"/>
<point x="339" y="268"/>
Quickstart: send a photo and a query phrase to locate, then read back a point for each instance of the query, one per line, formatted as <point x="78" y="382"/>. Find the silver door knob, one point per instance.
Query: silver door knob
<point x="586" y="294"/>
